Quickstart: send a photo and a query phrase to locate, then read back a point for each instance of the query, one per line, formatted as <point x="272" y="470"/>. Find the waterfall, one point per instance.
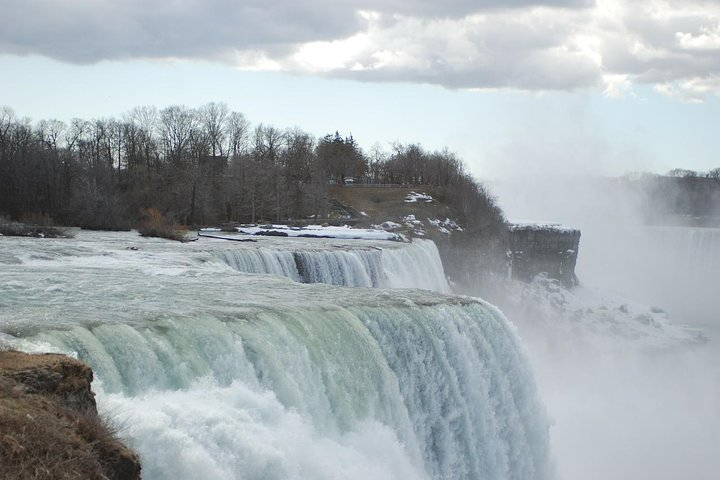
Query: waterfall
<point x="444" y="385"/>
<point x="216" y="374"/>
<point x="415" y="265"/>
<point x="262" y="260"/>
<point x="695" y="250"/>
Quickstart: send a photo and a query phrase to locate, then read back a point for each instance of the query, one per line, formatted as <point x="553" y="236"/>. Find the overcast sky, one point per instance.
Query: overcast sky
<point x="512" y="86"/>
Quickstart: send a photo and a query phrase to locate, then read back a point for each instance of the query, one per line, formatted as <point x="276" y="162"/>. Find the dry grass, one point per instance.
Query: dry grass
<point x="39" y="441"/>
<point x="382" y="204"/>
<point x="41" y="437"/>
<point x="154" y="224"/>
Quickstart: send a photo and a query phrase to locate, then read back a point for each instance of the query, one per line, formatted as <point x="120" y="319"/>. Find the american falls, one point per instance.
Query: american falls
<point x="279" y="360"/>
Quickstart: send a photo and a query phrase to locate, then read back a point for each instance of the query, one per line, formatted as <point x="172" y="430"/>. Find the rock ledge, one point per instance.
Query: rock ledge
<point x="49" y="425"/>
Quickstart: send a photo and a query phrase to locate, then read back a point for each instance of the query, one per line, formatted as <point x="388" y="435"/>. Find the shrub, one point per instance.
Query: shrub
<point x="154" y="224"/>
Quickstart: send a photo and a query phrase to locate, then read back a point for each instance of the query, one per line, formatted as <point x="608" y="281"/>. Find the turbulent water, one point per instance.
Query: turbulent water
<point x="215" y="373"/>
<point x="415" y="265"/>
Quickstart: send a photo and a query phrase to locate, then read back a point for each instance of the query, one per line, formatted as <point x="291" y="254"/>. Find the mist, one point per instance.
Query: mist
<point x="628" y="362"/>
<point x="670" y="267"/>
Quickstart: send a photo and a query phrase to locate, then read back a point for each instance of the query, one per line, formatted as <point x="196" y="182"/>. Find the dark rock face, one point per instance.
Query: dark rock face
<point x="49" y="425"/>
<point x="474" y="264"/>
<point x="546" y="249"/>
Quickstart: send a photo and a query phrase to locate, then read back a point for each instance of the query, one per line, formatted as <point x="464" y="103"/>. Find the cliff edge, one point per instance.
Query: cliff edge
<point x="473" y="258"/>
<point x="49" y="424"/>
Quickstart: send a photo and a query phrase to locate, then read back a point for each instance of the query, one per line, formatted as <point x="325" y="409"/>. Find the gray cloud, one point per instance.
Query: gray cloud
<point x="522" y="44"/>
<point x="85" y="32"/>
<point x="670" y="44"/>
<point x="458" y="8"/>
<point x="496" y="52"/>
<point x="75" y="31"/>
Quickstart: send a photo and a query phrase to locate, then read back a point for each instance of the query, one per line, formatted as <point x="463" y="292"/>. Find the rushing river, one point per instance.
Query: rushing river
<point x="217" y="361"/>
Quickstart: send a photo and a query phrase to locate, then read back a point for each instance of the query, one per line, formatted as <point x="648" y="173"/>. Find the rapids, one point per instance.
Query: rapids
<point x="215" y="373"/>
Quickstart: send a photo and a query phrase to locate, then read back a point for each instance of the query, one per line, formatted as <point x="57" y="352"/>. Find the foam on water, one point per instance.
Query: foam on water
<point x="415" y="265"/>
<point x="355" y="263"/>
<point x="218" y="374"/>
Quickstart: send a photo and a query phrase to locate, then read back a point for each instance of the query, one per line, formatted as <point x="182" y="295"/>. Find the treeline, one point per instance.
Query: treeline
<point x="203" y="165"/>
<point x="713" y="173"/>
<point x="680" y="193"/>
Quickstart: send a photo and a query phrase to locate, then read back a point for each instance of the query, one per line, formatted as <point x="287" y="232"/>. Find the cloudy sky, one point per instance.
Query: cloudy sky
<point x="605" y="86"/>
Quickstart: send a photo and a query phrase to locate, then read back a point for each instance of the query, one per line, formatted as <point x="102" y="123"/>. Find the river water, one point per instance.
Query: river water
<point x="215" y="370"/>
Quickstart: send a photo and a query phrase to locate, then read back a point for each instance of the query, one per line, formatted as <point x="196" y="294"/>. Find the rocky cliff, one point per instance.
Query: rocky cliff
<point x="474" y="259"/>
<point x="543" y="248"/>
<point x="49" y="424"/>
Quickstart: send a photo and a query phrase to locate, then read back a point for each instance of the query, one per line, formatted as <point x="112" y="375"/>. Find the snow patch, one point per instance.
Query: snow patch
<point x="319" y="231"/>
<point x="388" y="225"/>
<point x="412" y="220"/>
<point x="414" y="197"/>
<point x="604" y="317"/>
<point x="414" y="224"/>
<point x="515" y="224"/>
<point x="419" y="227"/>
<point x="446" y="226"/>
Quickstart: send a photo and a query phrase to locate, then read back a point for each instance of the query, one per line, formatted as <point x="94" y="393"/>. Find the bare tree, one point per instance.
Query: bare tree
<point x="213" y="118"/>
<point x="376" y="160"/>
<point x="682" y="173"/>
<point x="238" y="133"/>
<point x="178" y="125"/>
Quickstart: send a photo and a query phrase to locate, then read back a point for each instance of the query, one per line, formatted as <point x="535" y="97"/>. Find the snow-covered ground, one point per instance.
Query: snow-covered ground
<point x="420" y="228"/>
<point x="320" y="231"/>
<point x="446" y="226"/>
<point x="516" y="224"/>
<point x="414" y="197"/>
<point x="593" y="315"/>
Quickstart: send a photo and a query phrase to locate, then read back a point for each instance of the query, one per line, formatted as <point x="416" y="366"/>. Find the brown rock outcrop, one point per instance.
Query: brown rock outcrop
<point x="49" y="425"/>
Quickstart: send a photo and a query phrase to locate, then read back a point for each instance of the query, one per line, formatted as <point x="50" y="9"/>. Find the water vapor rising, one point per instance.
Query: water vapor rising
<point x="633" y="394"/>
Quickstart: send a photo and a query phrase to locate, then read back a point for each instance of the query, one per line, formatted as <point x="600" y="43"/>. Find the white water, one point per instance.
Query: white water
<point x="415" y="265"/>
<point x="355" y="263"/>
<point x="216" y="374"/>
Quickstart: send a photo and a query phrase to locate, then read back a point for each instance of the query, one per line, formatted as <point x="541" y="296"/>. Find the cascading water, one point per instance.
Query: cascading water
<point x="696" y="250"/>
<point x="415" y="265"/>
<point x="217" y="374"/>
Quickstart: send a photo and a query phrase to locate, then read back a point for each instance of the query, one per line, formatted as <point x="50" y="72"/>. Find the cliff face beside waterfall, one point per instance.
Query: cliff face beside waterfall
<point x="543" y="248"/>
<point x="49" y="424"/>
<point x="471" y="256"/>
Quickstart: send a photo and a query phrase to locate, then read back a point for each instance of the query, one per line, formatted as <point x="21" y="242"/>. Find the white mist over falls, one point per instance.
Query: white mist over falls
<point x="216" y="373"/>
<point x="628" y="363"/>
